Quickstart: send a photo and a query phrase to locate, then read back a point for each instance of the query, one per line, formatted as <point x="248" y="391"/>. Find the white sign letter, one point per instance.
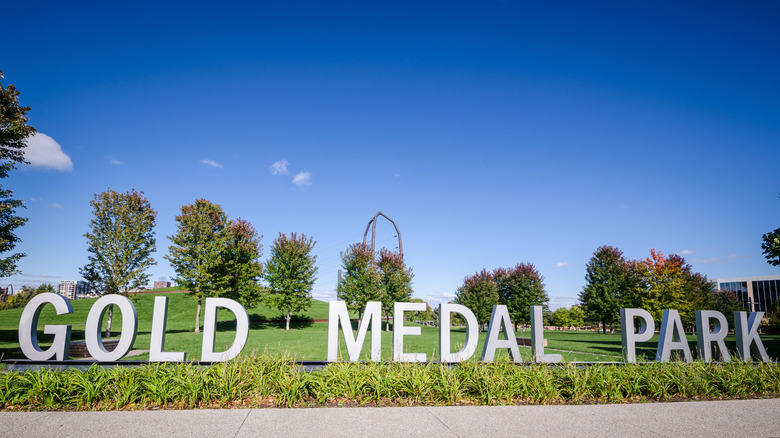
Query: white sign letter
<point x="28" y="328"/>
<point x="537" y="338"/>
<point x="672" y="337"/>
<point x="705" y="337"/>
<point x="627" y="334"/>
<point x="92" y="332"/>
<point x="210" y="327"/>
<point x="157" y="344"/>
<point x="472" y="333"/>
<point x="399" y="331"/>
<point x="337" y="313"/>
<point x="500" y="317"/>
<point x="746" y="330"/>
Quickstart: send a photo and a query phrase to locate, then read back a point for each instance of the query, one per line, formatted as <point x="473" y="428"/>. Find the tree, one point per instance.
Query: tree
<point x="14" y="129"/>
<point x="240" y="268"/>
<point x="657" y="283"/>
<point x="576" y="316"/>
<point x="425" y="315"/>
<point x="607" y="280"/>
<point x="14" y="132"/>
<point x="771" y="246"/>
<point x="726" y="302"/>
<point x="561" y="317"/>
<point x="395" y="281"/>
<point x="120" y="242"/>
<point x="9" y="221"/>
<point x="519" y="288"/>
<point x="697" y="293"/>
<point x="670" y="283"/>
<point x="197" y="250"/>
<point x="774" y="315"/>
<point x="479" y="293"/>
<point x="21" y="298"/>
<point x="360" y="283"/>
<point x="290" y="273"/>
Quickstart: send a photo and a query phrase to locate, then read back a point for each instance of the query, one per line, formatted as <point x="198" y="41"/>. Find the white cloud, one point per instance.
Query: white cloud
<point x="556" y="302"/>
<point x="397" y="175"/>
<point x="436" y="298"/>
<point x="688" y="251"/>
<point x="56" y="205"/>
<point x="739" y="256"/>
<point x="279" y="168"/>
<point x="302" y="179"/>
<point x="562" y="265"/>
<point x="42" y="151"/>
<point x="324" y="295"/>
<point x="36" y="199"/>
<point x="211" y="163"/>
<point x="38" y="276"/>
<point x="114" y="161"/>
<point x="709" y="260"/>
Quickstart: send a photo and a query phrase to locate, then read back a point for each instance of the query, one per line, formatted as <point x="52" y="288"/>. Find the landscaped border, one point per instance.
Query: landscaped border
<point x="261" y="381"/>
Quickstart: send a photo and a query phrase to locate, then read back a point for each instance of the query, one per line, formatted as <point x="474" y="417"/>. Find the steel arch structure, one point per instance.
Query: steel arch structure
<point x="372" y="225"/>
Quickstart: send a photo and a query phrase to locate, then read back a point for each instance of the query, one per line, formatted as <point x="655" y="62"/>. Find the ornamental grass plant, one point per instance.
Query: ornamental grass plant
<point x="263" y="381"/>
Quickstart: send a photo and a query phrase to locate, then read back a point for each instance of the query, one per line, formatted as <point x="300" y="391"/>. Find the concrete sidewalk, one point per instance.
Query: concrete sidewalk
<point x="760" y="418"/>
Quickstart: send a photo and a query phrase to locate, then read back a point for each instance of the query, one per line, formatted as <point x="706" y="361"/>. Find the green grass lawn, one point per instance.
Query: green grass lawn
<point x="308" y="339"/>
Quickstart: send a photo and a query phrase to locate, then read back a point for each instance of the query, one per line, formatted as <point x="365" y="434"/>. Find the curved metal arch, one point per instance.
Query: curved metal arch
<point x="6" y="292"/>
<point x="373" y="233"/>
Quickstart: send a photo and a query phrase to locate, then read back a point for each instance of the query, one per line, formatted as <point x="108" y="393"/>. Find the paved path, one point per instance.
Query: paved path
<point x="738" y="418"/>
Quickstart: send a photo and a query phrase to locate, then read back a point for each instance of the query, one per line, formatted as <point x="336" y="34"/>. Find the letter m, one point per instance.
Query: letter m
<point x="337" y="313"/>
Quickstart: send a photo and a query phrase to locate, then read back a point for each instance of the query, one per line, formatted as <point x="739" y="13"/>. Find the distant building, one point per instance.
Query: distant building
<point x="71" y="289"/>
<point x="756" y="293"/>
<point x="161" y="284"/>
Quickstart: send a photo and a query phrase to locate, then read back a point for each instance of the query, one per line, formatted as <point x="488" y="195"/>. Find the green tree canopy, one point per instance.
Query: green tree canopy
<point x="290" y="273"/>
<point x="670" y="283"/>
<point x="360" y="282"/>
<point x="14" y="132"/>
<point x="561" y="317"/>
<point x="9" y="222"/>
<point x="771" y="247"/>
<point x="395" y="281"/>
<point x="197" y="249"/>
<point x="656" y="283"/>
<point x="519" y="288"/>
<point x="240" y="268"/>
<point x="607" y="281"/>
<point x="726" y="302"/>
<point x="576" y="316"/>
<point x="425" y="315"/>
<point x="120" y="242"/>
<point x="479" y="293"/>
<point x="14" y="129"/>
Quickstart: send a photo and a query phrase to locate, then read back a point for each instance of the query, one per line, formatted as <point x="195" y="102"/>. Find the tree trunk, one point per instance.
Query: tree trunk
<point x="197" y="318"/>
<point x="288" y="317"/>
<point x="108" y="323"/>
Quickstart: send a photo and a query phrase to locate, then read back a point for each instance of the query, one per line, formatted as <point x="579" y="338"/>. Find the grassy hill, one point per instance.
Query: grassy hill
<point x="308" y="339"/>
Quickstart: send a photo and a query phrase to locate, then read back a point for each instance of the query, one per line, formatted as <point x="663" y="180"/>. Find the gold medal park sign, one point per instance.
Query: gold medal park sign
<point x="637" y="326"/>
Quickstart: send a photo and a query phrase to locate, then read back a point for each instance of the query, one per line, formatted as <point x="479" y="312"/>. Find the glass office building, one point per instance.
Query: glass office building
<point x="756" y="293"/>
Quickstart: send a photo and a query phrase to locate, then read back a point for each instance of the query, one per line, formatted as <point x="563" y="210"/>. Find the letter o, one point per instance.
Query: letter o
<point x="95" y="323"/>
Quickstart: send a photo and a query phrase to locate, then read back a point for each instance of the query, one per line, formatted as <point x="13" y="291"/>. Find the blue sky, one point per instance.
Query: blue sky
<point x="492" y="132"/>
